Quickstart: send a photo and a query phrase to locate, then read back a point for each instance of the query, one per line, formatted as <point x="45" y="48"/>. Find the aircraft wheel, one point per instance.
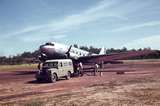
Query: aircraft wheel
<point x="38" y="79"/>
<point x="81" y="73"/>
<point x="121" y="72"/>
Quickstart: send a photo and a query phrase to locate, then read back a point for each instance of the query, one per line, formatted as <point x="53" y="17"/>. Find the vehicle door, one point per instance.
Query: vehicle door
<point x="60" y="69"/>
<point x="64" y="68"/>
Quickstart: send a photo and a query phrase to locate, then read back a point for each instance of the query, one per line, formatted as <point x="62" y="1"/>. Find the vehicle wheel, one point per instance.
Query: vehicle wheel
<point x="78" y="73"/>
<point x="53" y="78"/>
<point x="39" y="80"/>
<point x="68" y="76"/>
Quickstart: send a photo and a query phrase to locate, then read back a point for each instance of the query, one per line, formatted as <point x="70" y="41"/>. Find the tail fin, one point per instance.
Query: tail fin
<point x="103" y="51"/>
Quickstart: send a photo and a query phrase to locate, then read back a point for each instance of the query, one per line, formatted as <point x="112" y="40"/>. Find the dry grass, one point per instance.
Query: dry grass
<point x="34" y="103"/>
<point x="17" y="67"/>
<point x="144" y="93"/>
<point x="147" y="96"/>
<point x="142" y="61"/>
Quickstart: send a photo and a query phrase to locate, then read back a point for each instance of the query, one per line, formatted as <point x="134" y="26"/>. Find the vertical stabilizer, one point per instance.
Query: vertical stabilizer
<point x="103" y="51"/>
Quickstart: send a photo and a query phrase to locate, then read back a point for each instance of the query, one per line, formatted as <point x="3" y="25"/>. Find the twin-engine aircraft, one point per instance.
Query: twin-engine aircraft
<point x="55" y="50"/>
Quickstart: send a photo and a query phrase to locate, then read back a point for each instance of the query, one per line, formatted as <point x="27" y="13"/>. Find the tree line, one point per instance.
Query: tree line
<point x="24" y="58"/>
<point x="32" y="57"/>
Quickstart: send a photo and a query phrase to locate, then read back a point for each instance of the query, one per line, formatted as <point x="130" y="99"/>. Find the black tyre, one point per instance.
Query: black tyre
<point x="53" y="78"/>
<point x="38" y="79"/>
<point x="78" y="73"/>
<point x="68" y="76"/>
<point x="121" y="72"/>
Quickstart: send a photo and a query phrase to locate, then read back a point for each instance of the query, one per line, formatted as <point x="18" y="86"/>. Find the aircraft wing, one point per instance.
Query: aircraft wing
<point x="109" y="58"/>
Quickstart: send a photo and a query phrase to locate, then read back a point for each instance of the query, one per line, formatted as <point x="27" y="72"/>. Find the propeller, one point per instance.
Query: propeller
<point x="42" y="57"/>
<point x="68" y="54"/>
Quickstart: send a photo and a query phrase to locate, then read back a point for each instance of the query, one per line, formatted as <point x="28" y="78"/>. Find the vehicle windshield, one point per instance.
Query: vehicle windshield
<point x="51" y="65"/>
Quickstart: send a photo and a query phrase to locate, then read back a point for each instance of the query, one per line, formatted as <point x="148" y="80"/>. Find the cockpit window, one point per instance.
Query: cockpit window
<point x="49" y="43"/>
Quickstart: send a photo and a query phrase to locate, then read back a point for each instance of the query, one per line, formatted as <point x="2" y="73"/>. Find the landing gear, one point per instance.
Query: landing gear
<point x="81" y="73"/>
<point x="78" y="69"/>
<point x="78" y="73"/>
<point x="120" y="72"/>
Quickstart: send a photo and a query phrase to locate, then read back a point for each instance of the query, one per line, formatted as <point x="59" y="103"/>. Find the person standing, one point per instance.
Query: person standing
<point x="101" y="67"/>
<point x="81" y="69"/>
<point x="95" y="69"/>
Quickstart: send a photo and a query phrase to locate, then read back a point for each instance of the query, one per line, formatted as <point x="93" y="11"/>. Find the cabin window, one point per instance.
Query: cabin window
<point x="51" y="64"/>
<point x="65" y="64"/>
<point x="70" y="63"/>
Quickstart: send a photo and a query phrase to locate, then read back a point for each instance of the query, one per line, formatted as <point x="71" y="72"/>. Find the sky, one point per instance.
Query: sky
<point x="27" y="24"/>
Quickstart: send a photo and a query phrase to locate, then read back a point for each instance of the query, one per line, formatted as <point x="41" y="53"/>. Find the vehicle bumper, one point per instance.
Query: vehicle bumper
<point x="42" y="76"/>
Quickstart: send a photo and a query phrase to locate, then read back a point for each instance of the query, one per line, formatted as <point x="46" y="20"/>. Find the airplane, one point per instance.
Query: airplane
<point x="54" y="50"/>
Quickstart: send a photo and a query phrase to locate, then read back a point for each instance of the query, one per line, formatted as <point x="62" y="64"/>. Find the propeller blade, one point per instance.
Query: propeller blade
<point x="68" y="54"/>
<point x="69" y="49"/>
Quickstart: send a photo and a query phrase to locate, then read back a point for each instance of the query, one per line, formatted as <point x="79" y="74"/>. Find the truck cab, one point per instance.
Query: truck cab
<point x="52" y="70"/>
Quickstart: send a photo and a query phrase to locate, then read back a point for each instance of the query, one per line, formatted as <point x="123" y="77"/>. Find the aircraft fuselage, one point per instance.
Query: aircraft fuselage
<point x="56" y="51"/>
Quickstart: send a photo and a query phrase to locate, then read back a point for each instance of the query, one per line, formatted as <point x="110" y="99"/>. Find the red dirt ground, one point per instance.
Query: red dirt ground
<point x="21" y="84"/>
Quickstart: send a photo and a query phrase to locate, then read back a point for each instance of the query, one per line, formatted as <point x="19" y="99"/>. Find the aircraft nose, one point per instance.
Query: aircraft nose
<point x="47" y="49"/>
<point x="42" y="48"/>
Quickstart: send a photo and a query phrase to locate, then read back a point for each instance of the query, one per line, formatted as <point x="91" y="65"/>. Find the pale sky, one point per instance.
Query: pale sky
<point x="26" y="24"/>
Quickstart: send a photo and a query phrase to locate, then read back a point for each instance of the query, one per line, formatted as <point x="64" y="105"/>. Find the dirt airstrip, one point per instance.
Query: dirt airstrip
<point x="140" y="85"/>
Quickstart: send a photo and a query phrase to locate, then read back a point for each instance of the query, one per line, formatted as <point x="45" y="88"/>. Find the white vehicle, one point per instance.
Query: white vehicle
<point x="52" y="70"/>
